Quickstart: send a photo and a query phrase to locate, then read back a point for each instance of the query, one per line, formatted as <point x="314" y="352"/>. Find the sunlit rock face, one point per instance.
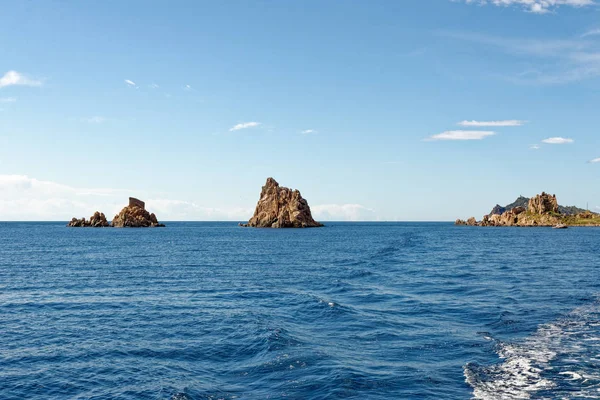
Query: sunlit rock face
<point x="542" y="204"/>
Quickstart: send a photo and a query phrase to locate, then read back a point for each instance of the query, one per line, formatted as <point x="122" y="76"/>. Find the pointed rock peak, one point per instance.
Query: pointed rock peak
<point x="271" y="183"/>
<point x="281" y="207"/>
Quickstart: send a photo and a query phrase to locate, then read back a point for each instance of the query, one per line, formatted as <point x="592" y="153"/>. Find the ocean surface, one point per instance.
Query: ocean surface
<point x="349" y="311"/>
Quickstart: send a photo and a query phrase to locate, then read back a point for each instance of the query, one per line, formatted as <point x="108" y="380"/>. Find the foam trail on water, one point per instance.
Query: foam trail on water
<point x="560" y="360"/>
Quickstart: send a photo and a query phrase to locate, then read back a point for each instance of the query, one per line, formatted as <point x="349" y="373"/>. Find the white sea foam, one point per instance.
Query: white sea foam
<point x="557" y="361"/>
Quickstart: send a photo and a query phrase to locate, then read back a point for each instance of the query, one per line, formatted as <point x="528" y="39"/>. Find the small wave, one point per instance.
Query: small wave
<point x="557" y="361"/>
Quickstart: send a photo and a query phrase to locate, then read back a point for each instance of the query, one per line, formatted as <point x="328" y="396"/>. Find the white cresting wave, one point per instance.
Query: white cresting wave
<point x="560" y="360"/>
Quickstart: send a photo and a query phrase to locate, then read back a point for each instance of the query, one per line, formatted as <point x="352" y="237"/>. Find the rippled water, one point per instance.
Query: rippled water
<point x="377" y="311"/>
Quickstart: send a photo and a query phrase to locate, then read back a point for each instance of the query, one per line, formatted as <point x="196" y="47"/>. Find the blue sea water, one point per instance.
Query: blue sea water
<point x="352" y="311"/>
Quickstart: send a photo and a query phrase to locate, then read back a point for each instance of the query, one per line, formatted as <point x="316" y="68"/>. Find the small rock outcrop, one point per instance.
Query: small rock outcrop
<point x="281" y="207"/>
<point x="98" y="220"/>
<point x="472" y="221"/>
<point x="542" y="204"/>
<point x="135" y="216"/>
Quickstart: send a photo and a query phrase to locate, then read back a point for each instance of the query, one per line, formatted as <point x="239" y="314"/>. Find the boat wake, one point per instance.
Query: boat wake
<point x="560" y="360"/>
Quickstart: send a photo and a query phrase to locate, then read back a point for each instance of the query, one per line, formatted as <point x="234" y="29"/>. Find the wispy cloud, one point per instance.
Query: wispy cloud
<point x="8" y="99"/>
<point x="153" y="86"/>
<point x="309" y="131"/>
<point x="187" y="87"/>
<point x="14" y="78"/>
<point x="244" y="125"/>
<point x="592" y="32"/>
<point x="595" y="160"/>
<point x="511" y="122"/>
<point x="534" y="6"/>
<point x="534" y="147"/>
<point x="94" y="120"/>
<point x="550" y="61"/>
<point x="461" y="135"/>
<point x="131" y="83"/>
<point x="558" y="140"/>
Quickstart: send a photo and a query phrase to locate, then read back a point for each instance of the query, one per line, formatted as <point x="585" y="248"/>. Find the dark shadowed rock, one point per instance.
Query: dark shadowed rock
<point x="133" y="202"/>
<point x="281" y="207"/>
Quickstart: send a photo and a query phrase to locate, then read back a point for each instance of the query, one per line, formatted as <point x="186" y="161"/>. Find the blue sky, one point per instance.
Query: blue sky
<point x="191" y="105"/>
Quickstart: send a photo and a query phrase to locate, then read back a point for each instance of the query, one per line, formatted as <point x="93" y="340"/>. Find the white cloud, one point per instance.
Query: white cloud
<point x="7" y="99"/>
<point x="461" y="135"/>
<point x="595" y="160"/>
<point x="28" y="199"/>
<point x="308" y="131"/>
<point x="510" y="122"/>
<point x="557" y="140"/>
<point x="178" y="210"/>
<point x="244" y="125"/>
<point x="187" y="87"/>
<point x="94" y="120"/>
<point x="16" y="78"/>
<point x="130" y="83"/>
<point x="342" y="212"/>
<point x="592" y="32"/>
<point x="535" y="6"/>
<point x="534" y="147"/>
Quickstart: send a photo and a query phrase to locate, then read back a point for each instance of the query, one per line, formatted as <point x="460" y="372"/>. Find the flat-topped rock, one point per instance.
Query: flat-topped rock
<point x="133" y="202"/>
<point x="281" y="207"/>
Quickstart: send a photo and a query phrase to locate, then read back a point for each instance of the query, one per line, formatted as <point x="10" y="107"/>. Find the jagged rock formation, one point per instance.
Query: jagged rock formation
<point x="135" y="216"/>
<point x="98" y="220"/>
<point x="280" y="207"/>
<point x="541" y="210"/>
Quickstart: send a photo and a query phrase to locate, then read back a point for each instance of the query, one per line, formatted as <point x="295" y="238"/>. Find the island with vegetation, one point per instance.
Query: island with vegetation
<point x="541" y="210"/>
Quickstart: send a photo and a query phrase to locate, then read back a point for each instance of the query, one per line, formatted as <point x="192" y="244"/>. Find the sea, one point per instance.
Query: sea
<point x="210" y="310"/>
